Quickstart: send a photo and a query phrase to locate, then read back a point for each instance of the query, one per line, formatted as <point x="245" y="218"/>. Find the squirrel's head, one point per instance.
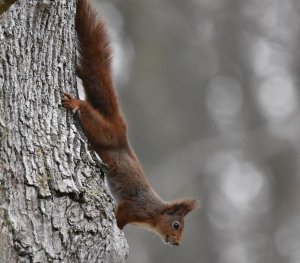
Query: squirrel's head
<point x="170" y="222"/>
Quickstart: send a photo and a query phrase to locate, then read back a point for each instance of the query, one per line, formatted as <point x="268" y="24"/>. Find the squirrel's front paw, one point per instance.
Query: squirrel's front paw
<point x="70" y="103"/>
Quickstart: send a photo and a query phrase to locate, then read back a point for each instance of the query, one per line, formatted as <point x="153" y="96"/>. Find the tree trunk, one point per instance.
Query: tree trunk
<point x="54" y="206"/>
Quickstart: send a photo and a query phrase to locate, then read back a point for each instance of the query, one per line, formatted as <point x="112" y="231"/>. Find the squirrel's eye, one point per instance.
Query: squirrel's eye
<point x="170" y="213"/>
<point x="176" y="225"/>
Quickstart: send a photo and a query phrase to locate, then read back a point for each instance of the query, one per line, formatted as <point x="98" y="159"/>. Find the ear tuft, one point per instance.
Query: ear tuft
<point x="182" y="207"/>
<point x="189" y="205"/>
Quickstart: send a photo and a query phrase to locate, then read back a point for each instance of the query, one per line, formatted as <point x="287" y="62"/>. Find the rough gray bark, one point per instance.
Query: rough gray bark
<point x="54" y="206"/>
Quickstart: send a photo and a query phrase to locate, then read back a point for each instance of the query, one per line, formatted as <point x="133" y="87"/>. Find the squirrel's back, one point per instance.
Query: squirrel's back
<point x="95" y="56"/>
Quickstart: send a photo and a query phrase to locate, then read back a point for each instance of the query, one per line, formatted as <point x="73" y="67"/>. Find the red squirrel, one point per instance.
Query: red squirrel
<point x="105" y="128"/>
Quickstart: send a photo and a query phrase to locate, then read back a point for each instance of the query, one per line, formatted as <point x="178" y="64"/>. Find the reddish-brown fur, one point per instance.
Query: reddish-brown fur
<point x="104" y="126"/>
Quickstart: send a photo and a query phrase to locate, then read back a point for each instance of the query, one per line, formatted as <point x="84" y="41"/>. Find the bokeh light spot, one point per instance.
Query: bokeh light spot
<point x="224" y="99"/>
<point x="238" y="178"/>
<point x="277" y="97"/>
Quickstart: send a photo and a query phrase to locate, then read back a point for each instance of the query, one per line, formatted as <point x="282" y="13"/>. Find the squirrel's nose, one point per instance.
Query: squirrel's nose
<point x="176" y="243"/>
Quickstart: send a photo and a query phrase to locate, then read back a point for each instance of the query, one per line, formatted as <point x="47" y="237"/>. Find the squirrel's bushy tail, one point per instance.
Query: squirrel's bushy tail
<point x="94" y="65"/>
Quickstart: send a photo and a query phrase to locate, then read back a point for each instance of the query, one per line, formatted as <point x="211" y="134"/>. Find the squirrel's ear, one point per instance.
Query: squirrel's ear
<point x="182" y="207"/>
<point x="188" y="205"/>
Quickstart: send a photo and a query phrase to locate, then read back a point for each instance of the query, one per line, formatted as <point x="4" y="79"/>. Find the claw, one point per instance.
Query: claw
<point x="69" y="96"/>
<point x="70" y="103"/>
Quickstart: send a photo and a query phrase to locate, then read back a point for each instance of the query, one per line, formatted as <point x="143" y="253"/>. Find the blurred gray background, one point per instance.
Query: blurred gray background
<point x="210" y="92"/>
